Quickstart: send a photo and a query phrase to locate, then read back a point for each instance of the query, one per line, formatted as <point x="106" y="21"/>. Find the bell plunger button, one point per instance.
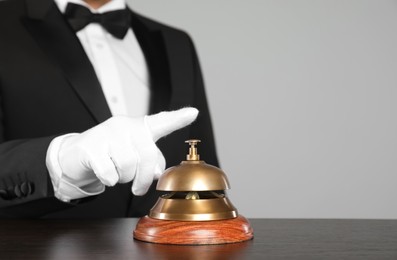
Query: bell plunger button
<point x="193" y="155"/>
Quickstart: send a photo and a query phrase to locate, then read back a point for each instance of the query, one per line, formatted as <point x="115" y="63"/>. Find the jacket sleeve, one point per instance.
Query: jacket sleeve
<point x="25" y="185"/>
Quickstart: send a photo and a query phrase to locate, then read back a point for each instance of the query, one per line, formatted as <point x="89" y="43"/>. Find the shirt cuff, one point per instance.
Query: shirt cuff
<point x="64" y="190"/>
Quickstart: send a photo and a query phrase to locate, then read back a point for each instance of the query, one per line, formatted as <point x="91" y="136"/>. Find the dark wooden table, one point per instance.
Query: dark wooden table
<point x="274" y="239"/>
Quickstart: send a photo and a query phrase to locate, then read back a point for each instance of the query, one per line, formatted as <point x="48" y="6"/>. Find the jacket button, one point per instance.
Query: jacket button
<point x="17" y="191"/>
<point x="30" y="187"/>
<point x="25" y="188"/>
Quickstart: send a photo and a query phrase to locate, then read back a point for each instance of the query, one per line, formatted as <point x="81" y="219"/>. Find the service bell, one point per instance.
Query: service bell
<point x="195" y="208"/>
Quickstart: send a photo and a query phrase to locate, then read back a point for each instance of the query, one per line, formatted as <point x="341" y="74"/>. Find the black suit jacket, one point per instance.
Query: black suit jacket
<point x="48" y="87"/>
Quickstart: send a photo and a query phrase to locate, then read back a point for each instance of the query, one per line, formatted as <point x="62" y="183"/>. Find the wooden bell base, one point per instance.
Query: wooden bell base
<point x="193" y="232"/>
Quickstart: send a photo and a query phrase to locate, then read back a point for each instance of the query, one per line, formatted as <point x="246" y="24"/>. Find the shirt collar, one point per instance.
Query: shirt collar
<point x="110" y="6"/>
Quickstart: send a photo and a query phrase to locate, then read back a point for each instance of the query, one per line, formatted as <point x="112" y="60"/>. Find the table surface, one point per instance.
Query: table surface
<point x="274" y="239"/>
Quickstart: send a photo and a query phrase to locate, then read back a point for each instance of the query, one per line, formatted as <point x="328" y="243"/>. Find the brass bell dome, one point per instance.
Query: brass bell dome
<point x="196" y="191"/>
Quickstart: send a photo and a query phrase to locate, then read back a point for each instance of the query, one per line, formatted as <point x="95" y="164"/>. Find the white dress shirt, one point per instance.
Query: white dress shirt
<point x="119" y="64"/>
<point x="122" y="71"/>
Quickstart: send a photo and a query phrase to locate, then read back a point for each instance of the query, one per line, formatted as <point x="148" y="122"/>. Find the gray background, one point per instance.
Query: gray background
<point x="303" y="99"/>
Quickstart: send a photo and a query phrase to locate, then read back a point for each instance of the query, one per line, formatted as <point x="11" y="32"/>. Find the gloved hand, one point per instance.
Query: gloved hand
<point x="121" y="149"/>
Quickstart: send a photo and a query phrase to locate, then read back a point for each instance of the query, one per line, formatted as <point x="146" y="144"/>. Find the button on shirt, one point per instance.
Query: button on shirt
<point x="119" y="64"/>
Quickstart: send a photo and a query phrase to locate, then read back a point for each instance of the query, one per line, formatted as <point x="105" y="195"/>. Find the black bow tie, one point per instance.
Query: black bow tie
<point x="115" y="22"/>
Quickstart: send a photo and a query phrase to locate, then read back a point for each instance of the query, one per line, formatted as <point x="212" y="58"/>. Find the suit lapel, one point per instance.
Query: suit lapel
<point x="170" y="64"/>
<point x="48" y="27"/>
<point x="152" y="44"/>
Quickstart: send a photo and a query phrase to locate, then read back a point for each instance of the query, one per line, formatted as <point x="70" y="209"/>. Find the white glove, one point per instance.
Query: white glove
<point x="121" y="149"/>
